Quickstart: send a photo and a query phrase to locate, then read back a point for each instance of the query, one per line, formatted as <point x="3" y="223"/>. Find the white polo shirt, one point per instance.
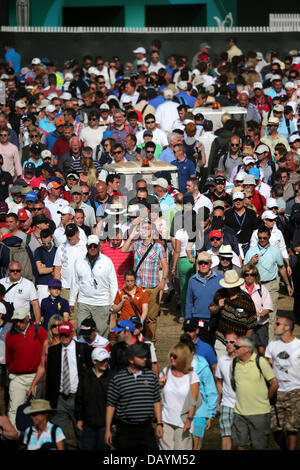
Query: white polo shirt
<point x="54" y="207"/>
<point x="65" y="257"/>
<point x="21" y="294"/>
<point x="59" y="236"/>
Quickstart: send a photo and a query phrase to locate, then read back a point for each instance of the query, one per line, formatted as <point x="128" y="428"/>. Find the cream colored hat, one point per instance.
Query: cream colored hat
<point x="231" y="279"/>
<point x="38" y="406"/>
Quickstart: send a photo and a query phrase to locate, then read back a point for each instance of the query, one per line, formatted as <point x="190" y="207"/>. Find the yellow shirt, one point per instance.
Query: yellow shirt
<point x="251" y="388"/>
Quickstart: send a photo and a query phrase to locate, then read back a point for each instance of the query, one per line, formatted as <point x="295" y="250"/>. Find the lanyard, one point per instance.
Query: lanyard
<point x="240" y="223"/>
<point x="92" y="272"/>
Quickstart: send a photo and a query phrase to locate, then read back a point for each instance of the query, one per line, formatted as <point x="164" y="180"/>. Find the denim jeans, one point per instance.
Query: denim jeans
<point x="93" y="438"/>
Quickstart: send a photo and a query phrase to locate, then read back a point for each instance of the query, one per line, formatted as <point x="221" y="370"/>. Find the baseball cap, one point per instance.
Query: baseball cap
<point x="31" y="196"/>
<point x="182" y="85"/>
<point x="262" y="148"/>
<point x="59" y="121"/>
<point x="139" y="50"/>
<point x="50" y="108"/>
<point x="20" y="313"/>
<point x="127" y="100"/>
<point x="66" y="96"/>
<point x="46" y="154"/>
<point x="124" y="325"/>
<point x="249" y="179"/>
<point x="257" y="85"/>
<point x="160" y="182"/>
<point x="93" y="71"/>
<point x="3" y="207"/>
<point x="20" y="104"/>
<point x="220" y="180"/>
<point x="36" y="61"/>
<point x="218" y="203"/>
<point x="67" y="210"/>
<point x="136" y="320"/>
<point x="66" y="328"/>
<point x="215" y="233"/>
<point x="204" y="256"/>
<point x="279" y="108"/>
<point x="76" y="189"/>
<point x="293" y="138"/>
<point x="238" y="195"/>
<point x="73" y="176"/>
<point x="23" y="214"/>
<point x="54" y="283"/>
<point x="268" y="215"/>
<point x="87" y="326"/>
<point x="71" y="229"/>
<point x="100" y="354"/>
<point x="29" y="167"/>
<point x="271" y="202"/>
<point x="210" y="181"/>
<point x="191" y="324"/>
<point x="273" y="121"/>
<point x="52" y="184"/>
<point x="92" y="240"/>
<point x="16" y="190"/>
<point x="104" y="107"/>
<point x="248" y="159"/>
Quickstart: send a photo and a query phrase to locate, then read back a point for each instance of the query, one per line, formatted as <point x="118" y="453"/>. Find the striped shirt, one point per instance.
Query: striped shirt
<point x="133" y="396"/>
<point x="77" y="168"/>
<point x="148" y="272"/>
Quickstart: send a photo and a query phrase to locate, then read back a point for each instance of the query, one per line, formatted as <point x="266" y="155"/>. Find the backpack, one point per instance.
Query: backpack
<point x="19" y="254"/>
<point x="47" y="445"/>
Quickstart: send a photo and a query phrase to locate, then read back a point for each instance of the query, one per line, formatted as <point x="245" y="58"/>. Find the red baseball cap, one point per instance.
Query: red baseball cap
<point x="23" y="214"/>
<point x="66" y="328"/>
<point x="215" y="233"/>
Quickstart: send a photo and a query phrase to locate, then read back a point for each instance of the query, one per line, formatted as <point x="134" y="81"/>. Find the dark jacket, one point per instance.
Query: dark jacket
<point x="118" y="359"/>
<point x="83" y="354"/>
<point x="90" y="401"/>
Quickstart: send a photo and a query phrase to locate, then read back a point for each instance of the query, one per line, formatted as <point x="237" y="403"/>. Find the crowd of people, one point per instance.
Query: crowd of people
<point x="87" y="263"/>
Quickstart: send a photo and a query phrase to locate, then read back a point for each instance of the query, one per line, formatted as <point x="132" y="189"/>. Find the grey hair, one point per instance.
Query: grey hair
<point x="247" y="342"/>
<point x="172" y="136"/>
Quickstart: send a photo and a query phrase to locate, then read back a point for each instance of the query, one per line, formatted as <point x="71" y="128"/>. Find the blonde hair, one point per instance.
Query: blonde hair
<point x="92" y="177"/>
<point x="54" y="319"/>
<point x="184" y="358"/>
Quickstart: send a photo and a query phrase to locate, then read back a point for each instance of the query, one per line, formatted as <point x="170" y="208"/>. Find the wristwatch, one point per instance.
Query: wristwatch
<point x="164" y="278"/>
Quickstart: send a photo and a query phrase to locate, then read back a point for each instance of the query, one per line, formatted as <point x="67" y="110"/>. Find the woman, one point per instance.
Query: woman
<point x="177" y="380"/>
<point x="160" y="223"/>
<point x="53" y="339"/>
<point x="209" y="394"/>
<point x="86" y="165"/>
<point x="106" y="153"/>
<point x="43" y="434"/>
<point x="35" y="138"/>
<point x="263" y="304"/>
<point x="193" y="147"/>
<point x="90" y="401"/>
<point x="92" y="177"/>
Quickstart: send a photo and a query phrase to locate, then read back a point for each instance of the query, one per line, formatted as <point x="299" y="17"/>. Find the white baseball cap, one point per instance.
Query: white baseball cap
<point x="66" y="96"/>
<point x="93" y="240"/>
<point x="139" y="50"/>
<point x="248" y="159"/>
<point x="67" y="210"/>
<point x="36" y="61"/>
<point x="182" y="85"/>
<point x="271" y="202"/>
<point x="268" y="215"/>
<point x="257" y="85"/>
<point x="20" y="104"/>
<point x="50" y="108"/>
<point x="290" y="85"/>
<point x="238" y="195"/>
<point x="100" y="354"/>
<point x="94" y="71"/>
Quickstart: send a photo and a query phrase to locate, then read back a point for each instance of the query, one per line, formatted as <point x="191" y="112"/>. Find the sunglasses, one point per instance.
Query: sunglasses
<point x="174" y="356"/>
<point x="229" y="341"/>
<point x="263" y="238"/>
<point x="149" y="151"/>
<point x="117" y="152"/>
<point x="213" y="239"/>
<point x="34" y="135"/>
<point x="37" y="209"/>
<point x="15" y="270"/>
<point x="93" y="119"/>
<point x="150" y="122"/>
<point x="86" y="194"/>
<point x="249" y="275"/>
<point x="278" y="323"/>
<point x="46" y="243"/>
<point x="203" y="262"/>
<point x="235" y="145"/>
<point x="55" y="326"/>
<point x="3" y="135"/>
<point x="238" y="347"/>
<point x="238" y="200"/>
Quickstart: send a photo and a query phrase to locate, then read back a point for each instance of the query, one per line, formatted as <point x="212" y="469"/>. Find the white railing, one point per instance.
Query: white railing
<point x="289" y="21"/>
<point x="279" y="27"/>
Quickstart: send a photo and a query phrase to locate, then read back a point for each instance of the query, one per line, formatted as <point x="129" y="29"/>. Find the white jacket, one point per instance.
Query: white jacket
<point x="97" y="286"/>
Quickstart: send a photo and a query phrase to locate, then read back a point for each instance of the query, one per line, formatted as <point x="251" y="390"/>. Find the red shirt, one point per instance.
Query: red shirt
<point x="122" y="261"/>
<point x="24" y="351"/>
<point x="259" y="202"/>
<point x="61" y="146"/>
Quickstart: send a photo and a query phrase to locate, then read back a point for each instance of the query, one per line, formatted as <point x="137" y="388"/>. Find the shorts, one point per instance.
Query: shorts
<point x="226" y="420"/>
<point x="199" y="427"/>
<point x="251" y="430"/>
<point x="285" y="416"/>
<point x="260" y="335"/>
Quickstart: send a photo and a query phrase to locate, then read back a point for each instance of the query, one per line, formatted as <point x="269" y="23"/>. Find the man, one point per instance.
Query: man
<point x="226" y="396"/>
<point x="65" y="257"/>
<point x="268" y="167"/>
<point x="218" y="191"/>
<point x="273" y="138"/>
<point x="62" y="144"/>
<point x="186" y="168"/>
<point x="183" y="96"/>
<point x="218" y="249"/>
<point x="20" y="292"/>
<point x="67" y="217"/>
<point x="124" y="331"/>
<point x="130" y="147"/>
<point x="44" y="257"/>
<point x="122" y="262"/>
<point x="166" y="201"/>
<point x="102" y="199"/>
<point x="119" y="129"/>
<point x="130" y="92"/>
<point x="262" y="102"/>
<point x="53" y="202"/>
<point x="192" y="327"/>
<point x="139" y="386"/>
<point x="71" y="156"/>
<point x="118" y="152"/>
<point x="255" y="384"/>
<point x="252" y="111"/>
<point x="65" y="364"/>
<point x="10" y="154"/>
<point x="257" y="199"/>
<point x="23" y="351"/>
<point x="159" y="136"/>
<point x="113" y="184"/>
<point x="233" y="50"/>
<point x="165" y="112"/>
<point x="47" y="124"/>
<point x="6" y="181"/>
<point x="202" y="287"/>
<point x="88" y="334"/>
<point x="232" y="158"/>
<point x="70" y="118"/>
<point x="148" y="257"/>
<point x="282" y="353"/>
<point x="94" y="279"/>
<point x="167" y="155"/>
<point x="269" y="261"/>
<point x="77" y="203"/>
<point x="92" y="135"/>
<point x="242" y="220"/>
<point x="53" y="136"/>
<point x="12" y="58"/>
<point x="200" y="200"/>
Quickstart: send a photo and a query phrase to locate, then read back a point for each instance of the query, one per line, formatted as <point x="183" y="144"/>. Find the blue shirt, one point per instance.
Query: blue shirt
<point x="205" y="350"/>
<point x="51" y="307"/>
<point x="186" y="99"/>
<point x="268" y="261"/>
<point x="200" y="294"/>
<point x="12" y="56"/>
<point x="155" y="102"/>
<point x="47" y="258"/>
<point x="46" y="126"/>
<point x="51" y="139"/>
<point x="186" y="169"/>
<point x="166" y="202"/>
<point x="167" y="155"/>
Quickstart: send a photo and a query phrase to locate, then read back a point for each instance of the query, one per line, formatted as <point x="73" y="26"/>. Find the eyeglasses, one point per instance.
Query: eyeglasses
<point x="203" y="262"/>
<point x="37" y="209"/>
<point x="15" y="270"/>
<point x="55" y="326"/>
<point x="240" y="200"/>
<point x="263" y="238"/>
<point x="3" y="135"/>
<point x="117" y="152"/>
<point x="249" y="275"/>
<point x="239" y="347"/>
<point x="213" y="239"/>
<point x="230" y="341"/>
<point x="174" y="356"/>
<point x="149" y="151"/>
<point x="235" y="145"/>
<point x="150" y="122"/>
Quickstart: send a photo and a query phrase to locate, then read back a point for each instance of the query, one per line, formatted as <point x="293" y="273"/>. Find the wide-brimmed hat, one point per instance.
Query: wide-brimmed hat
<point x="115" y="209"/>
<point x="38" y="406"/>
<point x="231" y="279"/>
<point x="225" y="251"/>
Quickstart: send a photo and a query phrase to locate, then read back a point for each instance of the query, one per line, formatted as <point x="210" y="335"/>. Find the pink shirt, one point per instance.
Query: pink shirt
<point x="122" y="261"/>
<point x="262" y="301"/>
<point x="11" y="159"/>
